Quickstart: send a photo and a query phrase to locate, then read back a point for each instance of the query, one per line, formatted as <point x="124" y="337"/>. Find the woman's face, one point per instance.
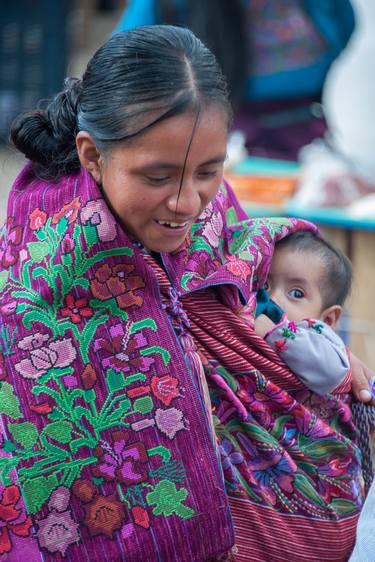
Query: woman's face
<point x="141" y="179"/>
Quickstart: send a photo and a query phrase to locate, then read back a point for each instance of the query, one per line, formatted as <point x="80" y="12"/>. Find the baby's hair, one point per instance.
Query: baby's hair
<point x="336" y="283"/>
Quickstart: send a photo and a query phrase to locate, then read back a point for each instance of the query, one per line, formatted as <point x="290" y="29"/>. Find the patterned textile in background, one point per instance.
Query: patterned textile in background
<point x="107" y="449"/>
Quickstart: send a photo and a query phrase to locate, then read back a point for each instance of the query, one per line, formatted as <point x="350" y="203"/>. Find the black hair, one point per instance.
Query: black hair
<point x="222" y="25"/>
<point x="337" y="280"/>
<point x="135" y="80"/>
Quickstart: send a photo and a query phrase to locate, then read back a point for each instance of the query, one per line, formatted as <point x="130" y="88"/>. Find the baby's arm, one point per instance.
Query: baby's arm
<point x="311" y="349"/>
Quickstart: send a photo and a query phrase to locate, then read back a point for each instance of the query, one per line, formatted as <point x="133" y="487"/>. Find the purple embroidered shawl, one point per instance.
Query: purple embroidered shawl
<point x="107" y="450"/>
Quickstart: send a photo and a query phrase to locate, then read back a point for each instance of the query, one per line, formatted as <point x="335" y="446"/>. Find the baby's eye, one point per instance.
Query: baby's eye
<point x="296" y="293"/>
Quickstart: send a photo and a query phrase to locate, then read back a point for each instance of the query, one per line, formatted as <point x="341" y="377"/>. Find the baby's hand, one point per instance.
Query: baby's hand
<point x="263" y="325"/>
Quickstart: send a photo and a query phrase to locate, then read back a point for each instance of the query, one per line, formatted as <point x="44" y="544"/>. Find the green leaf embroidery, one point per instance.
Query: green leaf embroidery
<point x="38" y="251"/>
<point x="38" y="490"/>
<point x="115" y="381"/>
<point x="61" y="226"/>
<point x="60" y="431"/>
<point x="24" y="433"/>
<point x="9" y="403"/>
<point x="3" y="279"/>
<point x="143" y="405"/>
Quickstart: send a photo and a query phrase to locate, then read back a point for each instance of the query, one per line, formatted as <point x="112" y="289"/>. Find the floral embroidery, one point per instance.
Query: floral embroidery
<point x="67" y="245"/>
<point x="76" y="310"/>
<point x="229" y="456"/>
<point x="169" y="421"/>
<point x="238" y="268"/>
<point x="121" y="461"/>
<point x="281" y="345"/>
<point x="68" y="211"/>
<point x="213" y="229"/>
<point x="97" y="213"/>
<point x="58" y="530"/>
<point x="8" y="244"/>
<point x="88" y="377"/>
<point x="44" y="355"/>
<point x="13" y="518"/>
<point x="165" y="388"/>
<point x="103" y="514"/>
<point x="115" y="282"/>
<point x="124" y="348"/>
<point x="167" y="500"/>
<point x="37" y="219"/>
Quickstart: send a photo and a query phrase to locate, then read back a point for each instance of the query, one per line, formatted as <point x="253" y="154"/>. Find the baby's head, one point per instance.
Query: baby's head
<point x="309" y="278"/>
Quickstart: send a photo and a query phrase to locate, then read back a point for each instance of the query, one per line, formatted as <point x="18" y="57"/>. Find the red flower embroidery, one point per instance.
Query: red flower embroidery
<point x="76" y="310"/>
<point x="88" y="377"/>
<point x="238" y="268"/>
<point x="115" y="282"/>
<point x="13" y="518"/>
<point x="8" y="251"/>
<point x="69" y="211"/>
<point x="280" y="345"/>
<point x="140" y="516"/>
<point x="104" y="514"/>
<point x="165" y="388"/>
<point x="37" y="219"/>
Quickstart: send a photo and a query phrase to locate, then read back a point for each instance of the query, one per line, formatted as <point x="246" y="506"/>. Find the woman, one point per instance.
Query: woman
<point x="128" y="284"/>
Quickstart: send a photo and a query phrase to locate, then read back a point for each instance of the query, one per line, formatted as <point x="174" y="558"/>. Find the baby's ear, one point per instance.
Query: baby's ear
<point x="331" y="315"/>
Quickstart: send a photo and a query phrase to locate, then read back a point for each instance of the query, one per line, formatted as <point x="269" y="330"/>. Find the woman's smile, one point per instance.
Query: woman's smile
<point x="159" y="183"/>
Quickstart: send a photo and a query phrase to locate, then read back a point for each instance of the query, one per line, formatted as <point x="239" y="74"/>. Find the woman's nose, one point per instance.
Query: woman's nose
<point x="185" y="201"/>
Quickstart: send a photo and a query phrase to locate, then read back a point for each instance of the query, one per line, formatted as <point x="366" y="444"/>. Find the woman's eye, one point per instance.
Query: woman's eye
<point x="296" y="294"/>
<point x="208" y="174"/>
<point x="157" y="180"/>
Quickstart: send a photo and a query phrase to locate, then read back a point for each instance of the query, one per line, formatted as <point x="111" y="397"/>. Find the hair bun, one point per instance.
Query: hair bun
<point x="47" y="136"/>
<point x="32" y="135"/>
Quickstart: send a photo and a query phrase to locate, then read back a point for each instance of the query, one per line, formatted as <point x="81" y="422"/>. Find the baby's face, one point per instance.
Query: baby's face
<point x="294" y="283"/>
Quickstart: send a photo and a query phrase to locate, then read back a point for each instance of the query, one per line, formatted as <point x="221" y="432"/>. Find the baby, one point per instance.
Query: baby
<point x="307" y="285"/>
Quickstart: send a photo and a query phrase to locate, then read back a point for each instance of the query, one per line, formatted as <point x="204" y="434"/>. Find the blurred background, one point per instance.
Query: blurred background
<point x="302" y="83"/>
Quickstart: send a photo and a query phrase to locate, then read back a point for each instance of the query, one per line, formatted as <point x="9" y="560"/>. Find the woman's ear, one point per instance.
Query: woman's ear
<point x="89" y="155"/>
<point x="331" y="315"/>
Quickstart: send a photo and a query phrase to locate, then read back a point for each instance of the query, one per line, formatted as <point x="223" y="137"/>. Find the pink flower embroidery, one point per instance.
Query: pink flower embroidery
<point x="58" y="530"/>
<point x="37" y="219"/>
<point x="9" y="308"/>
<point x="169" y="421"/>
<point x="213" y="229"/>
<point x="9" y="253"/>
<point x="67" y="245"/>
<point x="44" y="355"/>
<point x="207" y="212"/>
<point x="98" y="215"/>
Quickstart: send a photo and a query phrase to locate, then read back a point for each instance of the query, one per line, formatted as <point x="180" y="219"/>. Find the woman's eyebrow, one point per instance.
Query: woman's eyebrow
<point x="158" y="165"/>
